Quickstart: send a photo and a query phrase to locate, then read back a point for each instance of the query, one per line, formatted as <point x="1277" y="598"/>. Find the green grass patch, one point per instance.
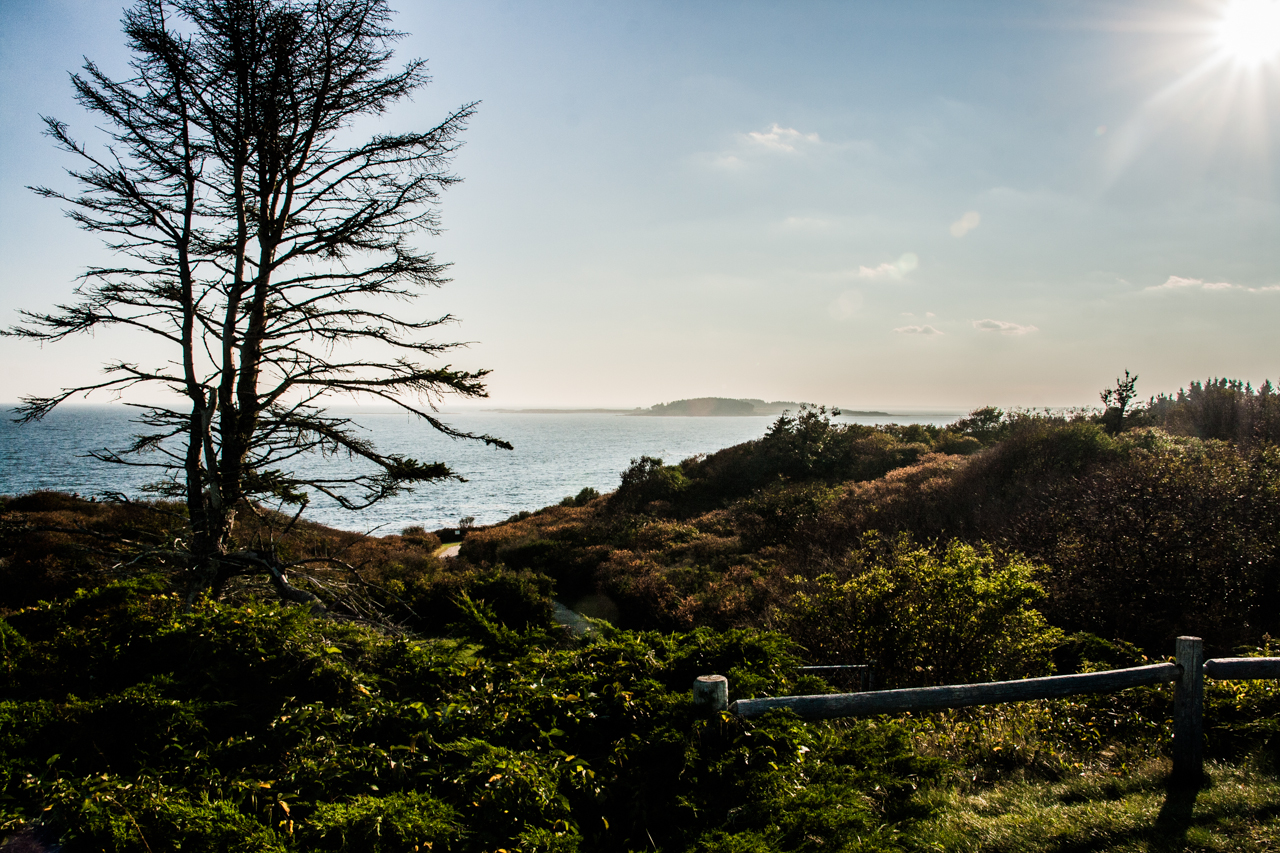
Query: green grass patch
<point x="1238" y="810"/>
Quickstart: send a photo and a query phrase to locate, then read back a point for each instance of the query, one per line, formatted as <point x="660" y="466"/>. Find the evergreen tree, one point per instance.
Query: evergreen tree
<point x="254" y="242"/>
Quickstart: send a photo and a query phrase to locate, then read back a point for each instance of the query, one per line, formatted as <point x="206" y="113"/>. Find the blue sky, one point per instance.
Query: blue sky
<point x="929" y="204"/>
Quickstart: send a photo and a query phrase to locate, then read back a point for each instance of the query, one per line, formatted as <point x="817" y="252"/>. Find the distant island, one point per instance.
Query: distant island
<point x="698" y="407"/>
<point x="725" y="407"/>
<point x="564" y="411"/>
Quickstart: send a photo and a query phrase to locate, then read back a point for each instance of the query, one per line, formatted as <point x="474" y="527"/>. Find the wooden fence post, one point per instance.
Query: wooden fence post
<point x="1188" y="710"/>
<point x="711" y="692"/>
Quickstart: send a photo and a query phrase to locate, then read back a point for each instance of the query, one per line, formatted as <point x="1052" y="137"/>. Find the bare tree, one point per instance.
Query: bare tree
<point x="255" y="242"/>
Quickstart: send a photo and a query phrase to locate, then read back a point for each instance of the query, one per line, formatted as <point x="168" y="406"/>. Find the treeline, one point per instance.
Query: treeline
<point x="1222" y="409"/>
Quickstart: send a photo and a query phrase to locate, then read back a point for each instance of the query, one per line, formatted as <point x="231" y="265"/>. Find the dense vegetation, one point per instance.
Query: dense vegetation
<point x="259" y="728"/>
<point x="435" y="704"/>
<point x="1141" y="534"/>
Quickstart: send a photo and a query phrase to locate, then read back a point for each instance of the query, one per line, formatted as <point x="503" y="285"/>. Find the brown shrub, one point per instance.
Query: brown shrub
<point x="746" y="595"/>
<point x="640" y="589"/>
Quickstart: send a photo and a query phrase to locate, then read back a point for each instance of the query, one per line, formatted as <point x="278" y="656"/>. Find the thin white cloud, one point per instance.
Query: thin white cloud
<point x="727" y="161"/>
<point x="966" y="223"/>
<point x="917" y="330"/>
<point x="778" y="138"/>
<point x="885" y="270"/>
<point x="1177" y="282"/>
<point x="894" y="270"/>
<point x="1003" y="327"/>
<point x="846" y="305"/>
<point x="752" y="147"/>
<point x="806" y="223"/>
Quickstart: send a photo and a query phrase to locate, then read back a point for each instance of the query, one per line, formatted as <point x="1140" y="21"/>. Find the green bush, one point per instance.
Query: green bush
<point x="584" y="497"/>
<point x="391" y="824"/>
<point x="926" y="616"/>
<point x="773" y="516"/>
<point x="129" y="724"/>
<point x="1176" y="536"/>
<point x="647" y="480"/>
<point x="985" y="426"/>
<point x="136" y="819"/>
<point x="957" y="444"/>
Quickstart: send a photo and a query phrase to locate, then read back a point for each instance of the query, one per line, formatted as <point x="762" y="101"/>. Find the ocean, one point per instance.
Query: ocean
<point x="555" y="455"/>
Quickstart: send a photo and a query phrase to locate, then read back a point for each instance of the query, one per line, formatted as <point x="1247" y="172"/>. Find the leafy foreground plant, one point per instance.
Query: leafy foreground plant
<point x="127" y="724"/>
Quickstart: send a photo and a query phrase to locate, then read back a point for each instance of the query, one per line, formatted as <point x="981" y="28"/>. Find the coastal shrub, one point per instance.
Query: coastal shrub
<point x="482" y="546"/>
<point x="955" y="443"/>
<point x="1144" y="535"/>
<point x="809" y="446"/>
<point x="584" y="497"/>
<point x="517" y="599"/>
<point x="923" y="616"/>
<point x="42" y="556"/>
<point x="138" y="816"/>
<point x="1006" y="481"/>
<point x="804" y="445"/>
<point x="371" y="824"/>
<point x="742" y="595"/>
<point x="1177" y="536"/>
<point x="986" y="426"/>
<point x="641" y="589"/>
<point x="798" y="448"/>
<point x="920" y="499"/>
<point x="129" y="723"/>
<point x="417" y="535"/>
<point x="1242" y="718"/>
<point x="646" y="481"/>
<point x="774" y="516"/>
<point x="571" y="566"/>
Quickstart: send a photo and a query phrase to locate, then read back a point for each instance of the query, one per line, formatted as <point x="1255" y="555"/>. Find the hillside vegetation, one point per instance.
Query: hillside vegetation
<point x="1168" y="527"/>
<point x="433" y="704"/>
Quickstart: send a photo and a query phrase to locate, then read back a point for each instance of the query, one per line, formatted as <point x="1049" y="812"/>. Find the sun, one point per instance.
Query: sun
<point x="1249" y="31"/>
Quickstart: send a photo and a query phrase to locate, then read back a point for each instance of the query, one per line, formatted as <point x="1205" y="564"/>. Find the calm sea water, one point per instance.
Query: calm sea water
<point x="554" y="456"/>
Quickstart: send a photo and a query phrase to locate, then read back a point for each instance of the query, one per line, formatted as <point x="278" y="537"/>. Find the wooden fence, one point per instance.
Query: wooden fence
<point x="1187" y="674"/>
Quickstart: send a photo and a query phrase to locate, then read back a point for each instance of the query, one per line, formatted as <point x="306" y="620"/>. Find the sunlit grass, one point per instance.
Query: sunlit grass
<point x="1237" y="810"/>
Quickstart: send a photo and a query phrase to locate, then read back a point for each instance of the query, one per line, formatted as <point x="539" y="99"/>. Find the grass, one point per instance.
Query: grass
<point x="1238" y="809"/>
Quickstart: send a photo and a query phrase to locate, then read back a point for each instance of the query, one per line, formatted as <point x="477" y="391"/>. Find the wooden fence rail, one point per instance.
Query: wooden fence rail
<point x="1242" y="669"/>
<point x="829" y="706"/>
<point x="1187" y="673"/>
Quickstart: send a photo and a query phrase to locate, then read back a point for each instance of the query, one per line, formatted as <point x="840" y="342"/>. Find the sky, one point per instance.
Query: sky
<point x="905" y="205"/>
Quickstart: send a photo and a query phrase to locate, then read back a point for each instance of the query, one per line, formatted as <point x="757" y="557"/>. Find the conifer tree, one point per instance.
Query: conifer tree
<point x="261" y="247"/>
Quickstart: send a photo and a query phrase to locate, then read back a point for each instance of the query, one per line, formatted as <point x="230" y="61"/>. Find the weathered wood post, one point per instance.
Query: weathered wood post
<point x="711" y="692"/>
<point x="1188" y="713"/>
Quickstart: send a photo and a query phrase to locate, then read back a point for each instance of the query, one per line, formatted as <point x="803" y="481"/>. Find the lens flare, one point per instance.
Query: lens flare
<point x="1249" y="30"/>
